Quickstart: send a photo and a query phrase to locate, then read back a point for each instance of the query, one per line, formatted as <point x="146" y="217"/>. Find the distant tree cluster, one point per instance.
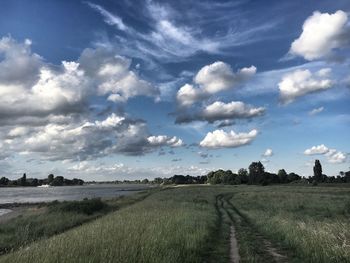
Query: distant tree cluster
<point x="181" y="179"/>
<point x="256" y="174"/>
<point x="50" y="180"/>
<point x="319" y="177"/>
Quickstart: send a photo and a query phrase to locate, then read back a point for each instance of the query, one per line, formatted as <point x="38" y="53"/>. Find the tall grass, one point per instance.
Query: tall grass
<point x="188" y="224"/>
<point x="313" y="223"/>
<point x="53" y="218"/>
<point x="169" y="226"/>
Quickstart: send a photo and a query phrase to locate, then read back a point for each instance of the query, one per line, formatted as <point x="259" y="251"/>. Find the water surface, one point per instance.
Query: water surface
<point x="68" y="193"/>
<point x="4" y="211"/>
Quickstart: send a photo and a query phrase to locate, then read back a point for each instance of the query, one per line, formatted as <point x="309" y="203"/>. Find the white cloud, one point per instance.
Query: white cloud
<point x="38" y="89"/>
<point x="333" y="155"/>
<point x="20" y="71"/>
<point x="55" y="91"/>
<point x="113" y="75"/>
<point x="219" y="76"/>
<point x="222" y="139"/>
<point x="210" y="80"/>
<point x="316" y="111"/>
<point x="81" y="139"/>
<point x="234" y="109"/>
<point x="322" y="33"/>
<point x="163" y="140"/>
<point x="109" y="18"/>
<point x="188" y="95"/>
<point x="18" y="131"/>
<point x="301" y="82"/>
<point x="14" y="55"/>
<point x="219" y="111"/>
<point x="172" y="36"/>
<point x="336" y="157"/>
<point x="268" y="153"/>
<point x="319" y="149"/>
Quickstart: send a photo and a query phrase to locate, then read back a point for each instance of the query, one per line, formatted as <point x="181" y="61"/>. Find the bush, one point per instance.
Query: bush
<point x="86" y="206"/>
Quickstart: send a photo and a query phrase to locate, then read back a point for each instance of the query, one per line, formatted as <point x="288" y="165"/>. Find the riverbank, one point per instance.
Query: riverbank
<point x="28" y="222"/>
<point x="194" y="224"/>
<point x="35" y="195"/>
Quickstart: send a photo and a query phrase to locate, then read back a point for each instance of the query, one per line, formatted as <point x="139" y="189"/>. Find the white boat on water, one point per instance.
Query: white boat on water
<point x="44" y="185"/>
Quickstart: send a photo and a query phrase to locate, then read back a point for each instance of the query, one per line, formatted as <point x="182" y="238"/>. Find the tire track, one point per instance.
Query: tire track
<point x="275" y="254"/>
<point x="234" y="251"/>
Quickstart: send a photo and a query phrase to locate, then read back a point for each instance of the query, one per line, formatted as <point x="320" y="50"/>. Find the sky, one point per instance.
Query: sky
<point x="114" y="90"/>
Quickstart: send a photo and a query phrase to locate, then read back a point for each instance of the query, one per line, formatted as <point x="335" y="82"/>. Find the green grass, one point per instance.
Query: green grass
<point x="191" y="224"/>
<point x="313" y="223"/>
<point x="47" y="220"/>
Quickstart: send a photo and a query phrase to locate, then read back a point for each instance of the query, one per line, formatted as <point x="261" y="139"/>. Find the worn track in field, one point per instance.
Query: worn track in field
<point x="226" y="209"/>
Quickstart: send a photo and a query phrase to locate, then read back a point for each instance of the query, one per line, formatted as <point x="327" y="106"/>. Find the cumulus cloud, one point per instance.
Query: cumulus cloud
<point x="322" y="33"/>
<point x="219" y="76"/>
<point x="222" y="139"/>
<point x="14" y="55"/>
<point x="30" y="87"/>
<point x="332" y="155"/>
<point x="113" y="75"/>
<point x="188" y="95"/>
<point x="38" y="89"/>
<point x="163" y="140"/>
<point x="219" y="110"/>
<point x="268" y="153"/>
<point x="301" y="82"/>
<point x="212" y="79"/>
<point x="316" y="111"/>
<point x="86" y="140"/>
<point x="335" y="156"/>
<point x="319" y="149"/>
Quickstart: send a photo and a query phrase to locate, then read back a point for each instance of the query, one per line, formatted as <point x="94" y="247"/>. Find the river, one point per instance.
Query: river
<point x="10" y="195"/>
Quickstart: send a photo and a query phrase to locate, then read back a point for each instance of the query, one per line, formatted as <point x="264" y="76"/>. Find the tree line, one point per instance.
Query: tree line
<point x="256" y="174"/>
<point x="50" y="180"/>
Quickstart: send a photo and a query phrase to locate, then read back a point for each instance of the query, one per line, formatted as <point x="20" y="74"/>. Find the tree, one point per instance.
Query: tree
<point x="242" y="177"/>
<point x="23" y="180"/>
<point x="293" y="177"/>
<point x="34" y="182"/>
<point x="4" y="181"/>
<point x="58" y="181"/>
<point x="347" y="177"/>
<point x="256" y="172"/>
<point x="282" y="175"/>
<point x="242" y="172"/>
<point x="317" y="171"/>
<point x="145" y="181"/>
<point x="50" y="178"/>
<point x="158" y="180"/>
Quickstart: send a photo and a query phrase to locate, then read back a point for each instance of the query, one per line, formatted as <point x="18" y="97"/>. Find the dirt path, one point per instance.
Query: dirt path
<point x="234" y="253"/>
<point x="221" y="208"/>
<point x="274" y="253"/>
<point x="229" y="214"/>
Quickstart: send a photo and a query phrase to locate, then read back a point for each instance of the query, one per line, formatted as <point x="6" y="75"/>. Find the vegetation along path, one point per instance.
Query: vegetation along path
<point x="261" y="248"/>
<point x="197" y="224"/>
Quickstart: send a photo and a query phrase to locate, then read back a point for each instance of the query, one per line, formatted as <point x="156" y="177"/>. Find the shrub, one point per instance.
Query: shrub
<point x="86" y="206"/>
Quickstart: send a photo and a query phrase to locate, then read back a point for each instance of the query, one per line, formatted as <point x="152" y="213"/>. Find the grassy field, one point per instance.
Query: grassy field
<point x="192" y="224"/>
<point x="45" y="220"/>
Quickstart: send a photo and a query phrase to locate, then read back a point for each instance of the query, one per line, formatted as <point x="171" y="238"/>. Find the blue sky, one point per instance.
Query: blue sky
<point x="111" y="90"/>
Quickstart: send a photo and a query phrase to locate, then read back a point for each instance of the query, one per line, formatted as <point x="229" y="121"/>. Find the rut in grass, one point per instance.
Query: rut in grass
<point x="267" y="251"/>
<point x="234" y="252"/>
